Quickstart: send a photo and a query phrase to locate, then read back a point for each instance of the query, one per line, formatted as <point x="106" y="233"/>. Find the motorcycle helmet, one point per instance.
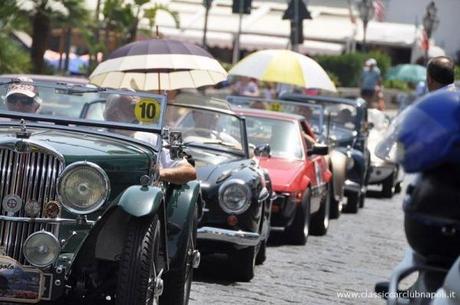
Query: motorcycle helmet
<point x="426" y="134"/>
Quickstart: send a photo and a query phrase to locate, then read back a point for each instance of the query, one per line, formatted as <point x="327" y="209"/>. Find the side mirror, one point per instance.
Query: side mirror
<point x="318" y="149"/>
<point x="262" y="150"/>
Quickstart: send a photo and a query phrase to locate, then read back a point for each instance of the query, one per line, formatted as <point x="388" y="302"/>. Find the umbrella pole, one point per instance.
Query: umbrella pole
<point x="159" y="83"/>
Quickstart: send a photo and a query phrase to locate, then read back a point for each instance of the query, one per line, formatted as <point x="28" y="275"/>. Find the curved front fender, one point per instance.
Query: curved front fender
<point x="141" y="201"/>
<point x="181" y="210"/>
<point x="338" y="161"/>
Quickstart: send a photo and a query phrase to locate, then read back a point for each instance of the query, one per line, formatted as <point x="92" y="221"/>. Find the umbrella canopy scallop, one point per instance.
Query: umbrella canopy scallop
<point x="284" y="66"/>
<point x="158" y="64"/>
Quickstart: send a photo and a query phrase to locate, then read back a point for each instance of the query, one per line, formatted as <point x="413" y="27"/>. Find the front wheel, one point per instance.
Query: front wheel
<point x="297" y="233"/>
<point x="262" y="254"/>
<point x="387" y="187"/>
<point x="320" y="220"/>
<point x="139" y="280"/>
<point x="352" y="203"/>
<point x="336" y="205"/>
<point x="179" y="282"/>
<point x="244" y="262"/>
<point x="362" y="198"/>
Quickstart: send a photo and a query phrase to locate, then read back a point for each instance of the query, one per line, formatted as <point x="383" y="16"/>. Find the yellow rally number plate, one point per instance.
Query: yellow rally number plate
<point x="275" y="107"/>
<point x="147" y="111"/>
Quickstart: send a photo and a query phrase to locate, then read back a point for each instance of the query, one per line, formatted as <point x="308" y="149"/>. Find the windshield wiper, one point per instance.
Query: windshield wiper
<point x="213" y="142"/>
<point x="79" y="90"/>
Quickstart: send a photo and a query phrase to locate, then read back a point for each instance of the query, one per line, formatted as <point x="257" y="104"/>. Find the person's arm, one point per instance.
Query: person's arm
<point x="179" y="174"/>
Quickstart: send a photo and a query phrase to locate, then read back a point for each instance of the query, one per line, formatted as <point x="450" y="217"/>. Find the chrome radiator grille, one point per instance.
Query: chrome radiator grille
<point x="30" y="176"/>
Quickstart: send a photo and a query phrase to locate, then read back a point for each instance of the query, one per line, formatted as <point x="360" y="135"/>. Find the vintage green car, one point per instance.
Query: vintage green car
<point x="84" y="218"/>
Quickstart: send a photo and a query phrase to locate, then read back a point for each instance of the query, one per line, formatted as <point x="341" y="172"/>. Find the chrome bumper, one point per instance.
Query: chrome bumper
<point x="240" y="238"/>
<point x="380" y="173"/>
<point x="351" y="186"/>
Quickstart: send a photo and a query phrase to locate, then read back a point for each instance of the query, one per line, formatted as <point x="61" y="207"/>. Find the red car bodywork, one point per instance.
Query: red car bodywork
<point x="291" y="177"/>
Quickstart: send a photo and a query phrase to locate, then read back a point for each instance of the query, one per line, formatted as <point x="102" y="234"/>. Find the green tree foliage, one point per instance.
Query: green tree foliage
<point x="13" y="59"/>
<point x="151" y="15"/>
<point x="121" y="19"/>
<point x="42" y="16"/>
<point x="348" y="67"/>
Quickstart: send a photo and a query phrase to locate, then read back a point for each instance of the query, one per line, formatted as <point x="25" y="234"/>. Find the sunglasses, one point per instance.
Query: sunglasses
<point x="25" y="100"/>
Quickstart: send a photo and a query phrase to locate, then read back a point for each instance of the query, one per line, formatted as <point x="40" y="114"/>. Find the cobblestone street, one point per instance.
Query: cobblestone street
<point x="358" y="251"/>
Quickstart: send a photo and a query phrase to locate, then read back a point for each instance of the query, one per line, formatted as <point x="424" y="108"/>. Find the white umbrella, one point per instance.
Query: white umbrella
<point x="158" y="64"/>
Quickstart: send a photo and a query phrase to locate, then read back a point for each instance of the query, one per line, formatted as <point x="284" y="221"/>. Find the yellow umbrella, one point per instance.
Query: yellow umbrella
<point x="284" y="66"/>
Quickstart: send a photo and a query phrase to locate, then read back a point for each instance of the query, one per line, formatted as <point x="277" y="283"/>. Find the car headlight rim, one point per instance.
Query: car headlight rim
<point x="39" y="234"/>
<point x="350" y="163"/>
<point x="243" y="187"/>
<point x="73" y="208"/>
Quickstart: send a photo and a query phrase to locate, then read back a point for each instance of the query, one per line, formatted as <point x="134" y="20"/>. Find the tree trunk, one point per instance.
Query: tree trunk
<point x="133" y="31"/>
<point x="41" y="30"/>
<point x="68" y="42"/>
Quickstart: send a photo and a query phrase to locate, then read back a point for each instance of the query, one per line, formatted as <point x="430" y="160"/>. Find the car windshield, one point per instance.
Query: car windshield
<point x="207" y="128"/>
<point x="283" y="136"/>
<point x="138" y="115"/>
<point x="314" y="114"/>
<point x="342" y="116"/>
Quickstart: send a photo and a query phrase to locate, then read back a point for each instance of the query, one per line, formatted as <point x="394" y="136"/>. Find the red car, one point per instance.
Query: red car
<point x="298" y="168"/>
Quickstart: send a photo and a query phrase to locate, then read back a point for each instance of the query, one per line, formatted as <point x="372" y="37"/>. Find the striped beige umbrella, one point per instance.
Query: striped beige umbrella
<point x="158" y="64"/>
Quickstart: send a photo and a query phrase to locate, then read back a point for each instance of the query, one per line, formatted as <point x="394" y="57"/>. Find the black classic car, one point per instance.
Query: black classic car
<point x="236" y="192"/>
<point x="83" y="215"/>
<point x="348" y="130"/>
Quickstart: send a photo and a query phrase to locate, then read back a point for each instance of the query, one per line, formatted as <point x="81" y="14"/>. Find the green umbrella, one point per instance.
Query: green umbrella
<point x="408" y="73"/>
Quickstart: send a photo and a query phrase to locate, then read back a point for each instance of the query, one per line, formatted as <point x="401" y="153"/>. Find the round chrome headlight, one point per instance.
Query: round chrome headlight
<point x="234" y="196"/>
<point x="350" y="163"/>
<point x="83" y="187"/>
<point x="41" y="249"/>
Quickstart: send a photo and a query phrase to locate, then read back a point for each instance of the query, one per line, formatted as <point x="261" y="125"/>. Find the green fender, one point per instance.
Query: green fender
<point x="141" y="201"/>
<point x="180" y="214"/>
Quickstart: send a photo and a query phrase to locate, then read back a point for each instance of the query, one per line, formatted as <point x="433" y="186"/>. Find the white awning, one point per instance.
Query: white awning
<point x="328" y="32"/>
<point x="252" y="42"/>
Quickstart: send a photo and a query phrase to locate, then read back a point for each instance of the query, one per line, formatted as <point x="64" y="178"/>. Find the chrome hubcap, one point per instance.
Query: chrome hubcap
<point x="196" y="258"/>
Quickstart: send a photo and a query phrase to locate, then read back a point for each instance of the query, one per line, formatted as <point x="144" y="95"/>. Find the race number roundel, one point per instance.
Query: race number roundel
<point x="147" y="110"/>
<point x="275" y="107"/>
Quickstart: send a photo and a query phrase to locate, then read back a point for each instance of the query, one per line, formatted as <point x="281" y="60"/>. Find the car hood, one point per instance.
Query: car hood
<point x="110" y="153"/>
<point x="285" y="174"/>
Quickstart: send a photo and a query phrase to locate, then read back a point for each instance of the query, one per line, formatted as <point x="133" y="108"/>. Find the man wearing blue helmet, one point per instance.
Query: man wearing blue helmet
<point x="440" y="73"/>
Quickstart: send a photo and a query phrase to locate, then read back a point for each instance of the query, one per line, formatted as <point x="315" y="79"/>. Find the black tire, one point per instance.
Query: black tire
<point x="320" y="220"/>
<point x="139" y="263"/>
<point x="262" y="254"/>
<point x="387" y="187"/>
<point x="177" y="283"/>
<point x="297" y="233"/>
<point x="336" y="205"/>
<point x="243" y="264"/>
<point x="352" y="205"/>
<point x="398" y="188"/>
<point x="362" y="198"/>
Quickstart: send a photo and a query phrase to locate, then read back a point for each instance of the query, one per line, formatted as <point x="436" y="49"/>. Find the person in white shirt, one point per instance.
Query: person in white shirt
<point x="120" y="108"/>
